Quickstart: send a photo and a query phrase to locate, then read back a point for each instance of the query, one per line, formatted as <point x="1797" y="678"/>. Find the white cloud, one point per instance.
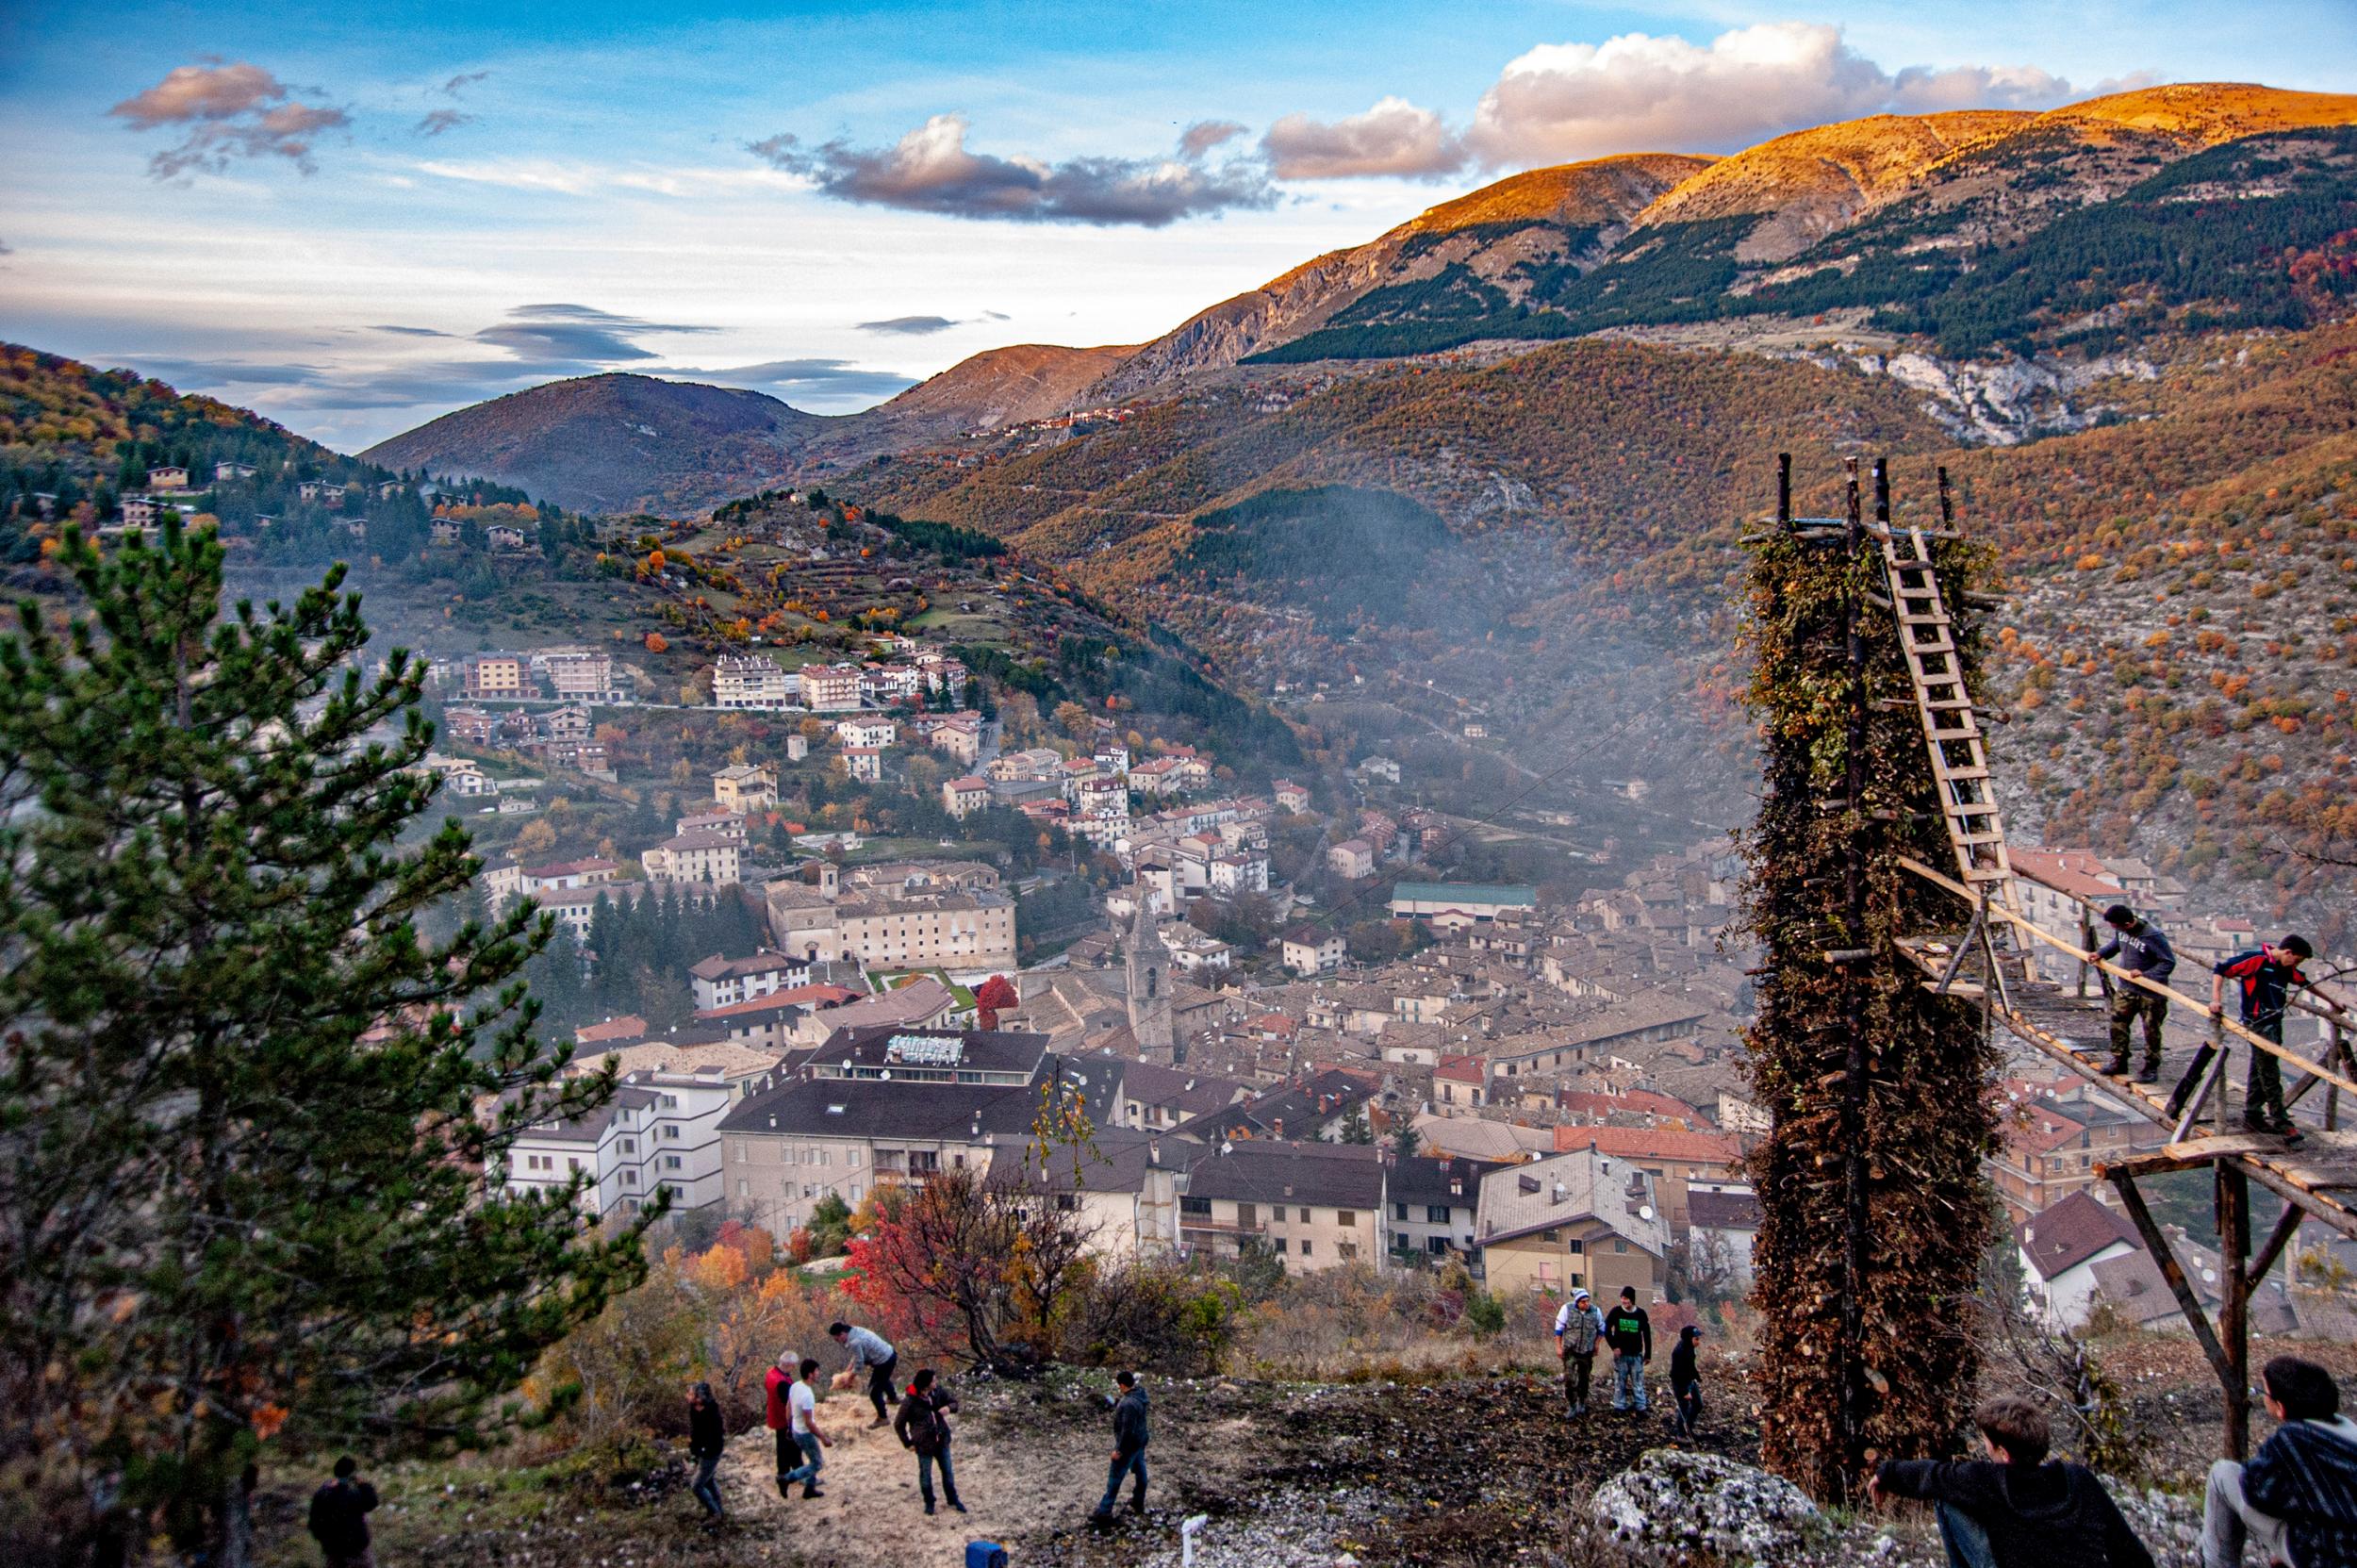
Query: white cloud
<point x="1639" y="92"/>
<point x="1394" y="137"/>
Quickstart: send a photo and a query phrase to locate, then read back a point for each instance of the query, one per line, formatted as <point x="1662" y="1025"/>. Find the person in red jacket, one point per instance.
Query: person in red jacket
<point x="778" y="1417"/>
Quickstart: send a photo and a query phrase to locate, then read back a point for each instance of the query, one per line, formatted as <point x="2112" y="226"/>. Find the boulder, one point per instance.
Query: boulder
<point x="1676" y="1507"/>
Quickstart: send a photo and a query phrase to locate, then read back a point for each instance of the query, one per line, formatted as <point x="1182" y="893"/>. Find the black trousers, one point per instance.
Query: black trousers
<point x="879" y="1389"/>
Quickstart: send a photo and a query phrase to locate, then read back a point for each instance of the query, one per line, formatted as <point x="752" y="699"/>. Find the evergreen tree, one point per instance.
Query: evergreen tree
<point x="244" y="1190"/>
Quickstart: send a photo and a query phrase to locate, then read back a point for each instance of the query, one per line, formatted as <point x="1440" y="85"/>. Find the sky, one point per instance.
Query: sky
<point x="356" y="219"/>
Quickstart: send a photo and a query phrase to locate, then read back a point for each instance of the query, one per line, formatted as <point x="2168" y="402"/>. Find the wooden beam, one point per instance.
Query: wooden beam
<point x="2157" y="1245"/>
<point x="2273" y="1246"/>
<point x="2296" y="1189"/>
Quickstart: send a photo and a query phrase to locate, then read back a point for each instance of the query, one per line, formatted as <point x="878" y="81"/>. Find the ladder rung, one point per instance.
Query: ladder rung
<point x="1948" y="704"/>
<point x="1979" y="837"/>
<point x="1970" y="773"/>
<point x="1938" y="645"/>
<point x="1938" y="617"/>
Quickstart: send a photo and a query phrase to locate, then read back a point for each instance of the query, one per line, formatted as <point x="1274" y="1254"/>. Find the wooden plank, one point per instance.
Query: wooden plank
<point x="2157" y="1245"/>
<point x="2193" y="1152"/>
<point x="2327" y="1209"/>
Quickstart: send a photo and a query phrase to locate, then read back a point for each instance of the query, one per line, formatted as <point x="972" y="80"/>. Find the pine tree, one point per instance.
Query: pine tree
<point x="244" y="1188"/>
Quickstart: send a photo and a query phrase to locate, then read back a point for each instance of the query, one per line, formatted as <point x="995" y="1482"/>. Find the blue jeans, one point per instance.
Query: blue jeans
<point x="1128" y="1464"/>
<point x="1628" y="1383"/>
<point x="1967" y="1542"/>
<point x="807" y="1472"/>
<point x="925" y="1464"/>
<point x="706" y="1488"/>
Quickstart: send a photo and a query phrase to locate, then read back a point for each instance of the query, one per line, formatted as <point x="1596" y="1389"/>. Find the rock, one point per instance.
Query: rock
<point x="1673" y="1505"/>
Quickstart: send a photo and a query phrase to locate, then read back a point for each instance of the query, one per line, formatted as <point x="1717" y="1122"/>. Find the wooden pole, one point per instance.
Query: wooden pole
<point x="2173" y="1274"/>
<point x="1854" y="1087"/>
<point x="2233" y="1312"/>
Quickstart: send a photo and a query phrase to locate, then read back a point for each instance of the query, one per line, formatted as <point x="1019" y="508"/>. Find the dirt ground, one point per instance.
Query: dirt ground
<point x="1031" y="1465"/>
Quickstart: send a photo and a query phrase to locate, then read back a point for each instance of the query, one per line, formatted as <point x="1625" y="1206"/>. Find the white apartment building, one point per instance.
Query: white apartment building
<point x="697" y="857"/>
<point x="660" y="1135"/>
<point x="587" y="677"/>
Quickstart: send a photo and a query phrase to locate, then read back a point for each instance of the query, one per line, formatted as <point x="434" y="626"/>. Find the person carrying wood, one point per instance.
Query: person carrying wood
<point x="2141" y="948"/>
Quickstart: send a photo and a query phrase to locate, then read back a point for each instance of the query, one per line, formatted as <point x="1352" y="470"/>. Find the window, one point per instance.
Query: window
<point x="629" y="1179"/>
<point x="1305" y="1213"/>
<point x="671" y="1133"/>
<point x="630" y="1146"/>
<point x="851" y="1157"/>
<point x="855" y="1194"/>
<point x="670" y="1162"/>
<point x="1579" y="1245"/>
<point x="1195" y="1205"/>
<point x="1399" y="1210"/>
<point x="1436" y="1246"/>
<point x="670" y="1191"/>
<point x="1619" y="1246"/>
<point x="1436" y="1213"/>
<point x="1305" y="1246"/>
<point x="1550" y="1235"/>
<point x="1279" y="1245"/>
<point x="1346" y="1218"/>
<point x="740" y="1154"/>
<point x="571" y="1163"/>
<point x="744" y="1188"/>
<point x="1346" y="1250"/>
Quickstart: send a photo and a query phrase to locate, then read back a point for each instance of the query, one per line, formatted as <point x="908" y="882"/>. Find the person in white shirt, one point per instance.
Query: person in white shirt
<point x="803" y="1402"/>
<point x="1578" y="1328"/>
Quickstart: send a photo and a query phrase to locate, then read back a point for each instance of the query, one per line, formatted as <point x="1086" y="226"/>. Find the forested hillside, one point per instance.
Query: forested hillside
<point x="2182" y="611"/>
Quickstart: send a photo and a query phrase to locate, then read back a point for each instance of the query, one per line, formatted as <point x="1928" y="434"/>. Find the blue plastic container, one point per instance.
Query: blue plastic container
<point x="985" y="1554"/>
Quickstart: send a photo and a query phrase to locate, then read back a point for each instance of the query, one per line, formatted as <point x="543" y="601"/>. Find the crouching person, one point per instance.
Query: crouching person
<point x="2297" y="1499"/>
<point x="2017" y="1508"/>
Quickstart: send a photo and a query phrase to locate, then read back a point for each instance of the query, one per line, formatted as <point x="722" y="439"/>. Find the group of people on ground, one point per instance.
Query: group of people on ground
<point x="2265" y="977"/>
<point x="922" y="1425"/>
<point x="2296" y="1499"/>
<point x="1581" y="1330"/>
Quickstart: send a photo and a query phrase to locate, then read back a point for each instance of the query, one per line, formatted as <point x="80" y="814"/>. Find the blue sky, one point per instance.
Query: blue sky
<point x="356" y="219"/>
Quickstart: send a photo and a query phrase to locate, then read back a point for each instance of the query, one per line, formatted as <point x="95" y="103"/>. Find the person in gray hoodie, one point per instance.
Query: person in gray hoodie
<point x="1130" y="1437"/>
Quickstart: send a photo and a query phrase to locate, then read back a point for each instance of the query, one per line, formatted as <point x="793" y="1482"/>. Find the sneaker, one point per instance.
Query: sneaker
<point x="812" y="1492"/>
<point x="955" y="1504"/>
<point x="880" y="1421"/>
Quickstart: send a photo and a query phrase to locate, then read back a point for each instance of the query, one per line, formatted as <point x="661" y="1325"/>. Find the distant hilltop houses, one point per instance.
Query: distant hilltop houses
<point x="754" y="682"/>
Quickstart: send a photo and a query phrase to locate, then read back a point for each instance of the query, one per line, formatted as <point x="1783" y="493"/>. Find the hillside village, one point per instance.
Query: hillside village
<point x="1381" y="1063"/>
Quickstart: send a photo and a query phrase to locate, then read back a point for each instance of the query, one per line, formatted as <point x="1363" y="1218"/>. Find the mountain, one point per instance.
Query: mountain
<point x="620" y="442"/>
<point x="612" y="442"/>
<point x="1466" y="248"/>
<point x="2087" y="226"/>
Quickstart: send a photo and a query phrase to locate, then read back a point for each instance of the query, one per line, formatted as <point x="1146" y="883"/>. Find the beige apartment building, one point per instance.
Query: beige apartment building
<point x="1573" y="1221"/>
<point x="1311" y="1205"/>
<point x="495" y="675"/>
<point x="959" y="930"/>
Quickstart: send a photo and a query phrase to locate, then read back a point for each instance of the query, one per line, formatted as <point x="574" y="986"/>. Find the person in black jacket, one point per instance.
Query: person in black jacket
<point x="924" y="1425"/>
<point x="1686" y="1382"/>
<point x="2016" y="1508"/>
<point x="2141" y="949"/>
<point x="340" y="1517"/>
<point x="1130" y="1439"/>
<point x="706" y="1439"/>
<point x="1629" y="1332"/>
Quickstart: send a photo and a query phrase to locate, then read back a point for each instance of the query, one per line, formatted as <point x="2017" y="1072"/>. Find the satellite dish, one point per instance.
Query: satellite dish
<point x="1645" y="1210"/>
<point x="886" y="1074"/>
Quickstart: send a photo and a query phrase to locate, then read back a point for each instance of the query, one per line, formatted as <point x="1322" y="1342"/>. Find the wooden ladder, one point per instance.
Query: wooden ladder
<point x="1952" y="731"/>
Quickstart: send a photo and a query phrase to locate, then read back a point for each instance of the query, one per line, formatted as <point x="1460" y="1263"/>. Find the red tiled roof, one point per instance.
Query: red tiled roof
<point x="2069" y="1233"/>
<point x="1652" y="1143"/>
<point x="796" y="996"/>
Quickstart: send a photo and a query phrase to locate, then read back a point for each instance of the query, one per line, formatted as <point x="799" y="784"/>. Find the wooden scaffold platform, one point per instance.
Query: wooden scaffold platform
<point x="1991" y="960"/>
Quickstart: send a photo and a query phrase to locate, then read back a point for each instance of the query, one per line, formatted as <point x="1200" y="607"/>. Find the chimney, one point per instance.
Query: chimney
<point x="1153" y="1151"/>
